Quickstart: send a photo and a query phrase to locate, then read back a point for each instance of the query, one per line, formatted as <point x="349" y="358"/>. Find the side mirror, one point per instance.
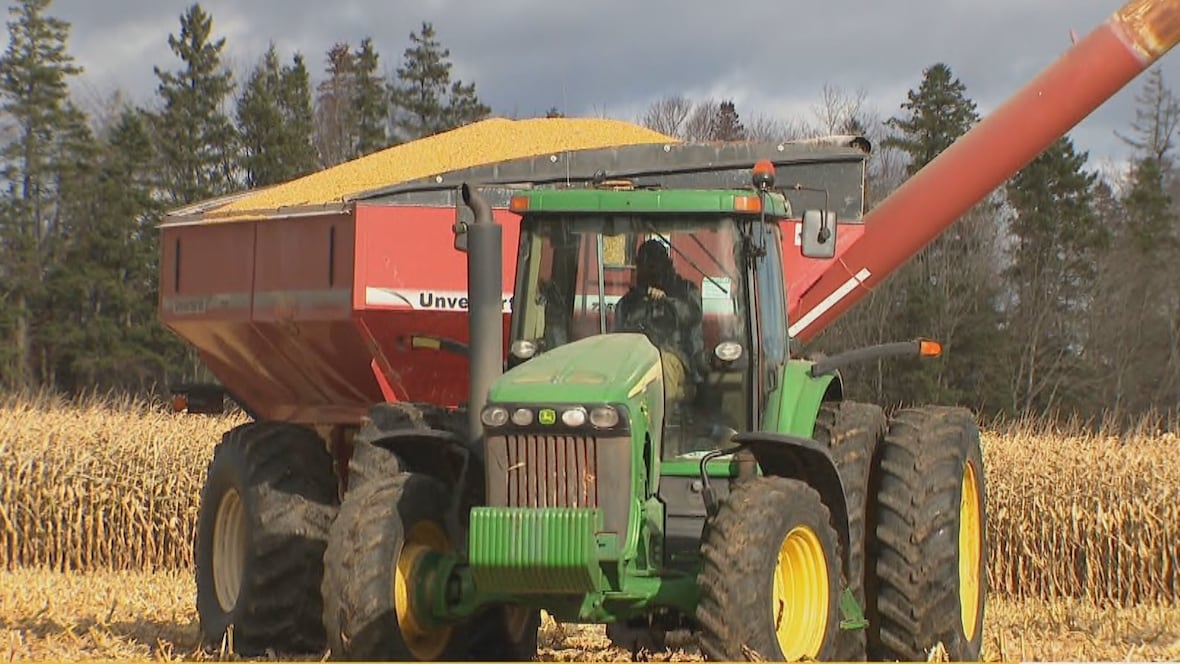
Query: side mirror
<point x="819" y="233"/>
<point x="463" y="216"/>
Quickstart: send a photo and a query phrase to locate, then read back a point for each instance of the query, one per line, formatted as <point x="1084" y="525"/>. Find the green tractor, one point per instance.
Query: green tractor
<point x="654" y="457"/>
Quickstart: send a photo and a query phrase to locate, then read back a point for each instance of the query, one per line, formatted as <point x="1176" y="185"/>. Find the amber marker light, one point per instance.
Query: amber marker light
<point x="747" y="204"/>
<point x="519" y="203"/>
<point x="929" y="348"/>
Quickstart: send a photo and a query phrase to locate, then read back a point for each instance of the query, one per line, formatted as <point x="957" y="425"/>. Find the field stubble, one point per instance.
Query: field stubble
<point x="98" y="505"/>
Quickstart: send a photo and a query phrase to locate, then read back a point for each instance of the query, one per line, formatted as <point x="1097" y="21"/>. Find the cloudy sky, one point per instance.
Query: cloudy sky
<point x="614" y="58"/>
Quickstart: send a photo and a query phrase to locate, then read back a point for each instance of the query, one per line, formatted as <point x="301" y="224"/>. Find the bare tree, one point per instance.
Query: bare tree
<point x="839" y="111"/>
<point x="667" y="115"/>
<point x="699" y="126"/>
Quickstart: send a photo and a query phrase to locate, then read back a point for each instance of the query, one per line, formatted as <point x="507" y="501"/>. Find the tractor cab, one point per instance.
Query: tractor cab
<point x="697" y="274"/>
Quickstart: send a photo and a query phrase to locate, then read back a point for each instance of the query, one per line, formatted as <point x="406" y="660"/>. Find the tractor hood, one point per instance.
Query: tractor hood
<point x="602" y="368"/>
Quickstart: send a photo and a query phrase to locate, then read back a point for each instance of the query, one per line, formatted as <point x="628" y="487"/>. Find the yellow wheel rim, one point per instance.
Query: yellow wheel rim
<point x="970" y="544"/>
<point x="426" y="643"/>
<point x="799" y="602"/>
<point x="229" y="549"/>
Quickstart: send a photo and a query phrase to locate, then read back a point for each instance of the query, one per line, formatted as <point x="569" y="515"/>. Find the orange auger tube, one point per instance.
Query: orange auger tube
<point x="1088" y="74"/>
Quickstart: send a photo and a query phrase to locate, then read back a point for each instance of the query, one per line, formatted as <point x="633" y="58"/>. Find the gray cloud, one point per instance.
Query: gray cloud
<point x="613" y="58"/>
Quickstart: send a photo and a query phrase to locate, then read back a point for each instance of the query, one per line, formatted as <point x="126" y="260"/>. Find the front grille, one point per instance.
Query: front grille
<point x="552" y="471"/>
<point x="565" y="470"/>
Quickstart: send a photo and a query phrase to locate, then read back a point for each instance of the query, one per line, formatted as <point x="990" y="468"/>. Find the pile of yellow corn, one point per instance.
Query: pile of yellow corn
<point x="476" y="144"/>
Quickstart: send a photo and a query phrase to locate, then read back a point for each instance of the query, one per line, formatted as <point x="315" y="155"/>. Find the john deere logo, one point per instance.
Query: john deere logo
<point x="547" y="416"/>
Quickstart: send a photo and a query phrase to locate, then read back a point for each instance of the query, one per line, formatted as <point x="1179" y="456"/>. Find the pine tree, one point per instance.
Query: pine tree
<point x="1058" y="238"/>
<point x="370" y="102"/>
<point x="424" y="99"/>
<point x="298" y="117"/>
<point x="34" y="72"/>
<point x="103" y="294"/>
<point x="275" y="122"/>
<point x="195" y="138"/>
<point x="260" y="123"/>
<point x="1139" y="335"/>
<point x="727" y="126"/>
<point x="939" y="113"/>
<point x="335" y="95"/>
<point x="950" y="290"/>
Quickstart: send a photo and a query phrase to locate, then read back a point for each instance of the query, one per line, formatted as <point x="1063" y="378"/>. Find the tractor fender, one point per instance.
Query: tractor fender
<point x="794" y="406"/>
<point x="784" y="455"/>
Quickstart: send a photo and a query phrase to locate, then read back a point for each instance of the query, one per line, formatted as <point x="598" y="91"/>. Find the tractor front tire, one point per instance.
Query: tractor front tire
<point x="384" y="528"/>
<point x="852" y="431"/>
<point x="927" y="581"/>
<point x="268" y="502"/>
<point x="504" y="633"/>
<point x="770" y="575"/>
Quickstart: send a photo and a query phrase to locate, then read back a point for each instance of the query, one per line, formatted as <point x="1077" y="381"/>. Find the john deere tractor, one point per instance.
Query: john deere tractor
<point x="654" y="457"/>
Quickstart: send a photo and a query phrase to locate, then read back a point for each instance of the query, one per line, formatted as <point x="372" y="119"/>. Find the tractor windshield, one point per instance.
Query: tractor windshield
<point x="677" y="279"/>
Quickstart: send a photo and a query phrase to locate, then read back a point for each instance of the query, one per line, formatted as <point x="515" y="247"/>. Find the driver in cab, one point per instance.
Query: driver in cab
<point x="667" y="308"/>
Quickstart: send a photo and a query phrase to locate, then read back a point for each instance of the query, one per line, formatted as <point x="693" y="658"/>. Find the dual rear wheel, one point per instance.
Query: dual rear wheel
<point x="266" y="507"/>
<point x="772" y="576"/>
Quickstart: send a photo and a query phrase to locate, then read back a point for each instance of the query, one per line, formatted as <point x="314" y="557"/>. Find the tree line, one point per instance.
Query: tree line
<point x="1058" y="296"/>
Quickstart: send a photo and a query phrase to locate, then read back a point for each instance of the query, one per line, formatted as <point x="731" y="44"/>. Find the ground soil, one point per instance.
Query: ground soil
<point x="51" y="615"/>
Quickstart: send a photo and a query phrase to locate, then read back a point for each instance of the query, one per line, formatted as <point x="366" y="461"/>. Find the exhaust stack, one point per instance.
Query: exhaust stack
<point x="485" y="306"/>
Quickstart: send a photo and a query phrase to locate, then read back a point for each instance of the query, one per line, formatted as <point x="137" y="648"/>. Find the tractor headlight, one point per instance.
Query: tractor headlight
<point x="523" y="349"/>
<point x="522" y="417"/>
<point x="494" y="416"/>
<point x="574" y="417"/>
<point x="604" y="417"/>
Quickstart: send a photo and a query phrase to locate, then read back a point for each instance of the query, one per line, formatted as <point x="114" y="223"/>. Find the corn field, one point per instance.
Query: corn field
<point x="115" y="486"/>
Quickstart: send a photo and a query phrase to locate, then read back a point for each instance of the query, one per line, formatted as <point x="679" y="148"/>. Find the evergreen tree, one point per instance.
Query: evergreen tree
<point x="1059" y="237"/>
<point x="1139" y="333"/>
<point x="104" y="292"/>
<point x="939" y="113"/>
<point x="275" y="123"/>
<point x="424" y="99"/>
<point x="370" y="102"/>
<point x="260" y="123"/>
<point x="34" y="72"/>
<point x="195" y="138"/>
<point x="727" y="126"/>
<point x="334" y="126"/>
<point x="950" y="290"/>
<point x="298" y="117"/>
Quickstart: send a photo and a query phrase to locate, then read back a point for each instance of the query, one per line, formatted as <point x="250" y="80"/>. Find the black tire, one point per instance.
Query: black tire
<point x="504" y="634"/>
<point x="367" y="540"/>
<point x="739" y="561"/>
<point x="915" y="580"/>
<point x="637" y="638"/>
<point x="371" y="461"/>
<point x="281" y="477"/>
<point x="852" y="432"/>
